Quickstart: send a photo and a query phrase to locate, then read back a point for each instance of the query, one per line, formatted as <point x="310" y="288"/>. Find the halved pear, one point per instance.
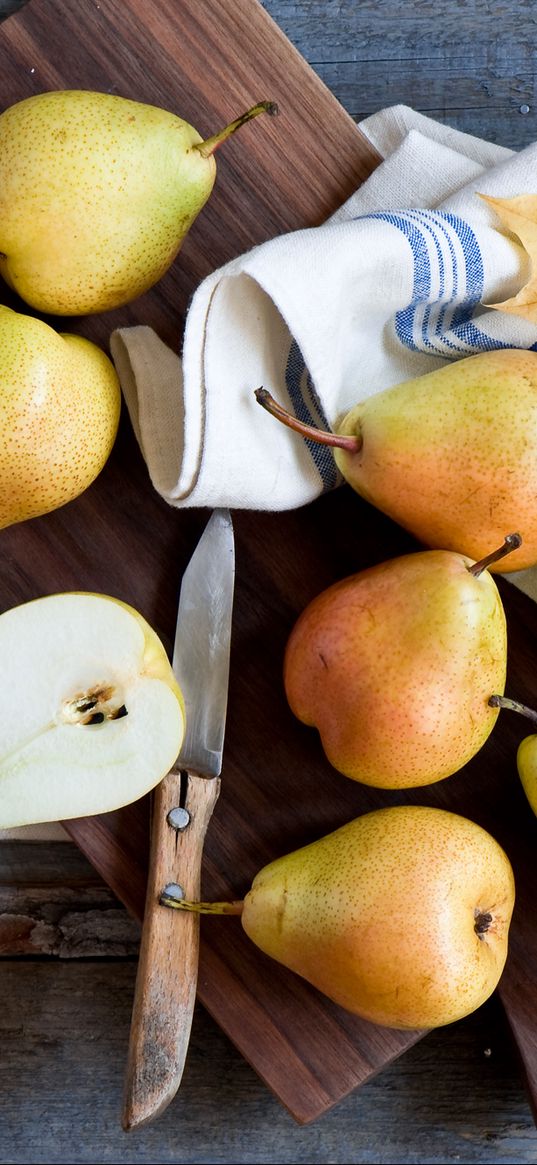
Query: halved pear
<point x="91" y="715"/>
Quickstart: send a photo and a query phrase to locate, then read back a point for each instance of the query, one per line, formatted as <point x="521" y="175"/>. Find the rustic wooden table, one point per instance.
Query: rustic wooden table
<point x="68" y="949"/>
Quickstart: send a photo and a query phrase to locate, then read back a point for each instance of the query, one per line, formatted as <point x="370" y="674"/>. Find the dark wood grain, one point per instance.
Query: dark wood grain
<point x="278" y="792"/>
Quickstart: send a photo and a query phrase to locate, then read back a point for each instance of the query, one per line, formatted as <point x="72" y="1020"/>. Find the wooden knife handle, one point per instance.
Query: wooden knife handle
<point x="165" y="990"/>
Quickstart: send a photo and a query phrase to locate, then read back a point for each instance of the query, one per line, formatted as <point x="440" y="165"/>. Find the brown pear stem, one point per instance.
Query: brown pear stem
<point x="200" y="907"/>
<point x="513" y="706"/>
<point x="335" y="440"/>
<point x="512" y="542"/>
<point x="211" y="144"/>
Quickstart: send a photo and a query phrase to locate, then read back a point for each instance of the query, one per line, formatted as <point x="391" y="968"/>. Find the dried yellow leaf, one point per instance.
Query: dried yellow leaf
<point x="519" y="215"/>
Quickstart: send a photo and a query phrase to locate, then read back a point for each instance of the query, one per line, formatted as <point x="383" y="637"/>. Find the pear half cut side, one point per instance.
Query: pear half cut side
<point x="91" y="715"/>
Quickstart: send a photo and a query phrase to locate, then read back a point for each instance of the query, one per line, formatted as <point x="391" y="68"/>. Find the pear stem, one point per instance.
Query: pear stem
<point x="335" y="440"/>
<point x="200" y="907"/>
<point x="513" y="706"/>
<point x="512" y="542"/>
<point x="211" y="144"/>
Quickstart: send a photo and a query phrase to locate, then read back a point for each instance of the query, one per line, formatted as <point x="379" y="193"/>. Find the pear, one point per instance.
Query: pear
<point x="451" y="455"/>
<point x="527" y="749"/>
<point x="92" y="715"/>
<point x="395" y="666"/>
<point x="97" y="193"/>
<point x="59" y="413"/>
<point x="401" y="916"/>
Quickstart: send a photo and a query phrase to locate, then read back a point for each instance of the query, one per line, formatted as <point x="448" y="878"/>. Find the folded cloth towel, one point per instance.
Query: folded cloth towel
<point x="390" y="287"/>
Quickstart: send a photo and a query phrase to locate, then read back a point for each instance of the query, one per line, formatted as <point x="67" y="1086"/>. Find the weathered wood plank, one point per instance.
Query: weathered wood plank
<point x="63" y="1037"/>
<point x="65" y="923"/>
<point x="32" y="862"/>
<point x="468" y="64"/>
<point x="52" y="903"/>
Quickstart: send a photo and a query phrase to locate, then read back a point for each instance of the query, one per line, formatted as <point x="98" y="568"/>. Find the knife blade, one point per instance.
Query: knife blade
<point x="165" y="990"/>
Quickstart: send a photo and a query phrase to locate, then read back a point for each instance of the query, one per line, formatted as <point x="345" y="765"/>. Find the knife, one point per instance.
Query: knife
<point x="165" y="990"/>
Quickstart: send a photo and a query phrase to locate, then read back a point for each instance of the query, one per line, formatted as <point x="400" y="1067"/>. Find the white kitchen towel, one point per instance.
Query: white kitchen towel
<point x="393" y="285"/>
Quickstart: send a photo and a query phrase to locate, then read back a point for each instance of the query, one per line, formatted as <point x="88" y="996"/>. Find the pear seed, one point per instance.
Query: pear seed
<point x="119" y="713"/>
<point x="94" y="706"/>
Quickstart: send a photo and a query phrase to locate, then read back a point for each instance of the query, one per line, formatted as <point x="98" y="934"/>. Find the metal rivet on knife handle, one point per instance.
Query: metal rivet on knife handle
<point x="178" y="818"/>
<point x="174" y="890"/>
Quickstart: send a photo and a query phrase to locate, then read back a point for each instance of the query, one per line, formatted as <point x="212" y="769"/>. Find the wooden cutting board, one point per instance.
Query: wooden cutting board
<point x="208" y="60"/>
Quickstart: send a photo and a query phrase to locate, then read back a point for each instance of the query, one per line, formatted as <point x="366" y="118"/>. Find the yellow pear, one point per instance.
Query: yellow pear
<point x="395" y="666"/>
<point x="401" y="916"/>
<point x="97" y="193"/>
<point x="451" y="456"/>
<point x="59" y="412"/>
<point x="92" y="715"/>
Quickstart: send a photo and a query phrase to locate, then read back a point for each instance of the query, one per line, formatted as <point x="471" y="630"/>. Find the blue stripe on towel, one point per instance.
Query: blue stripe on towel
<point x="446" y="255"/>
<point x="302" y="394"/>
<point x="441" y="322"/>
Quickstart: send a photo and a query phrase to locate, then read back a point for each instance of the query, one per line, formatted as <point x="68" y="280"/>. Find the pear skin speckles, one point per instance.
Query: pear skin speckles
<point x="452" y="455"/>
<point x="96" y="195"/>
<point x="59" y="413"/>
<point x="386" y="915"/>
<point x="395" y="665"/>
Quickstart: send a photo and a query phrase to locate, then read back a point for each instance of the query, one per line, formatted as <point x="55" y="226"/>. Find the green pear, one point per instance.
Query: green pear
<point x="395" y="666"/>
<point x="451" y="456"/>
<point x="59" y="413"/>
<point x="527" y="768"/>
<point x="527" y="749"/>
<point x="97" y="193"/>
<point x="401" y="916"/>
